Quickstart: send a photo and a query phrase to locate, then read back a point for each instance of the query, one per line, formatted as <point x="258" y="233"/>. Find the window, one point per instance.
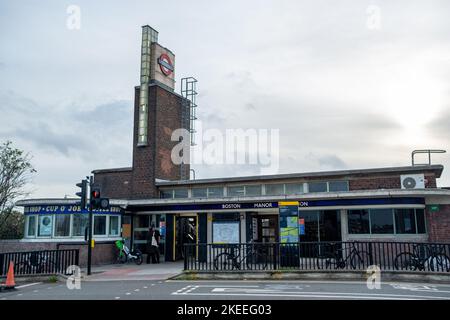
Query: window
<point x="274" y="189"/>
<point x="405" y="221"/>
<point x="167" y="194"/>
<point x="215" y="192"/>
<point x="45" y="226"/>
<point x="31" y="226"/>
<point x="317" y="187"/>
<point x="294" y="188"/>
<point x="180" y="193"/>
<point x="114" y="226"/>
<point x="238" y="191"/>
<point x="199" y="192"/>
<point x="381" y="221"/>
<point x="337" y="186"/>
<point x="251" y="191"/>
<point x="62" y="225"/>
<point x="99" y="225"/>
<point x="420" y="220"/>
<point x="358" y="221"/>
<point x="79" y="224"/>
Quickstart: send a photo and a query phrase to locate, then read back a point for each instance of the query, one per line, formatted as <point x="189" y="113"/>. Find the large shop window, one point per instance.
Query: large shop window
<point x="62" y="225"/>
<point x="358" y="222"/>
<point x="386" y="221"/>
<point x="114" y="226"/>
<point x="79" y="224"/>
<point x="45" y="226"/>
<point x="99" y="225"/>
<point x="381" y="221"/>
<point x="31" y="226"/>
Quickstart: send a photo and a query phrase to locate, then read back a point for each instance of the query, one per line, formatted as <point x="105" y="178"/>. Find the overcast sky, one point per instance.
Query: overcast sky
<point x="346" y="87"/>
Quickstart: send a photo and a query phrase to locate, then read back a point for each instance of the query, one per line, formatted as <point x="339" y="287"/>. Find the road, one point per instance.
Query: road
<point x="225" y="290"/>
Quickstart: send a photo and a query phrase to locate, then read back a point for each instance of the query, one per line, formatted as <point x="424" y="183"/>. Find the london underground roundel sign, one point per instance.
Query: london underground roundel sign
<point x="165" y="64"/>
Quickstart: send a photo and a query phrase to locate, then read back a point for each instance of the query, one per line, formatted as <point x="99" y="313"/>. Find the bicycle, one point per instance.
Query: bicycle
<point x="333" y="259"/>
<point x="126" y="254"/>
<point x="424" y="257"/>
<point x="255" y="258"/>
<point x="35" y="263"/>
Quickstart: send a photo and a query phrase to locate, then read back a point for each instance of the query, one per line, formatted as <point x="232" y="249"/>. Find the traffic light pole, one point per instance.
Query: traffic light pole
<point x="89" y="258"/>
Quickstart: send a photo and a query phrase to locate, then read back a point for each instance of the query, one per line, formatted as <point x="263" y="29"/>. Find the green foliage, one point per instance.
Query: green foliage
<point x="15" y="173"/>
<point x="53" y="279"/>
<point x="13" y="226"/>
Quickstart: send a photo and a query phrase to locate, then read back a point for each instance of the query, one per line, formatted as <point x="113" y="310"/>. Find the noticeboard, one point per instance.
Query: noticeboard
<point x="225" y="232"/>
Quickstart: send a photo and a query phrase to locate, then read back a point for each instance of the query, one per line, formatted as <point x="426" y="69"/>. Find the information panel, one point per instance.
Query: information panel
<point x="289" y="226"/>
<point x="225" y="232"/>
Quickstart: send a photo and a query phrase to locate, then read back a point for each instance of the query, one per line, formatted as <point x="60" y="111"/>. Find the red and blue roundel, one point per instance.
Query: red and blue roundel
<point x="165" y="64"/>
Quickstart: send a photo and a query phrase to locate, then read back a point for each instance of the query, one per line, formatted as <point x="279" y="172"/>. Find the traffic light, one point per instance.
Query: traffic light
<point x="82" y="193"/>
<point x="97" y="201"/>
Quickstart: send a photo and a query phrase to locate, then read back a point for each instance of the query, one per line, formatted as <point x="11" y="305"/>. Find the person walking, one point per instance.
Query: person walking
<point x="153" y="239"/>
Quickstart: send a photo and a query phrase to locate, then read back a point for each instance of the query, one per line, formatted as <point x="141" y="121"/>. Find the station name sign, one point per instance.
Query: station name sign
<point x="275" y="204"/>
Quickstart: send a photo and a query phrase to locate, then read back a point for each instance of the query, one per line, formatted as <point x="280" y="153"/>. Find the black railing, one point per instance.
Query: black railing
<point x="44" y="262"/>
<point x="350" y="255"/>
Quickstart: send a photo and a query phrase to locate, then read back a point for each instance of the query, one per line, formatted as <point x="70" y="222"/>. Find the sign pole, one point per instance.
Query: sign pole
<point x="89" y="258"/>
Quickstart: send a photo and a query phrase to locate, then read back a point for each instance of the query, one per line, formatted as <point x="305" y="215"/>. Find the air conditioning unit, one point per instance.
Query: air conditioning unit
<point x="412" y="181"/>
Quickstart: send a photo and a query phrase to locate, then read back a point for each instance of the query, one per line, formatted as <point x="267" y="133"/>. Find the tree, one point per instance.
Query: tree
<point x="15" y="172"/>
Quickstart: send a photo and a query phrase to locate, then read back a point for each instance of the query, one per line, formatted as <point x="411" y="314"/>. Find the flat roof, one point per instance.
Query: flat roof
<point x="437" y="169"/>
<point x="112" y="170"/>
<point x="428" y="192"/>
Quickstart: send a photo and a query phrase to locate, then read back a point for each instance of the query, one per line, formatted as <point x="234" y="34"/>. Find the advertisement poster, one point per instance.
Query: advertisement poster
<point x="45" y="225"/>
<point x="301" y="227"/>
<point x="225" y="232"/>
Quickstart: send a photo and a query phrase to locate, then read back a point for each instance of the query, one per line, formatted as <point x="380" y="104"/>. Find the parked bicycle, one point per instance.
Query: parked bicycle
<point x="125" y="254"/>
<point x="335" y="256"/>
<point x="424" y="257"/>
<point x="251" y="255"/>
<point x="35" y="263"/>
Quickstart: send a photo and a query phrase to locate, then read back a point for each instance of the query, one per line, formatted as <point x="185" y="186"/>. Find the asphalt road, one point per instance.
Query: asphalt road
<point x="225" y="290"/>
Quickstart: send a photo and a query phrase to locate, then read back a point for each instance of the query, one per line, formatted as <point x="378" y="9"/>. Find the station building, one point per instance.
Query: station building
<point x="388" y="204"/>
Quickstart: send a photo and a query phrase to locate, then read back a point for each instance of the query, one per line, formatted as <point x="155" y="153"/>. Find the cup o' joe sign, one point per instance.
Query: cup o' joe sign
<point x="165" y="64"/>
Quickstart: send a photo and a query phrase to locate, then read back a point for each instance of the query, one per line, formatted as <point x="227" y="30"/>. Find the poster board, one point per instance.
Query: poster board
<point x="289" y="224"/>
<point x="226" y="232"/>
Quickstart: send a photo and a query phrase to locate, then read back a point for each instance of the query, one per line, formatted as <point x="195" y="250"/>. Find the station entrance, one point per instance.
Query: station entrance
<point x="263" y="228"/>
<point x="186" y="232"/>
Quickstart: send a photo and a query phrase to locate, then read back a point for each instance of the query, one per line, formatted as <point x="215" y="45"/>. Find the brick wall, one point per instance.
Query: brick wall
<point x="165" y="114"/>
<point x="438" y="224"/>
<point x="384" y="182"/>
<point x="115" y="184"/>
<point x="103" y="252"/>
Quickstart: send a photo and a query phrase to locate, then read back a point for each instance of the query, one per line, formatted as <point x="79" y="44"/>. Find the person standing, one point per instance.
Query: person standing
<point x="153" y="244"/>
<point x="149" y="244"/>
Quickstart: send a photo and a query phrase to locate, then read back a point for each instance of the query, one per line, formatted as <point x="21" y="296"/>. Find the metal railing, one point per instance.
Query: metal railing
<point x="327" y="256"/>
<point x="45" y="262"/>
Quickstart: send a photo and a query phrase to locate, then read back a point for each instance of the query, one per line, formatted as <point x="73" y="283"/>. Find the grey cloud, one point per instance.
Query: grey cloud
<point x="440" y="125"/>
<point x="115" y="113"/>
<point x="327" y="161"/>
<point x="42" y="136"/>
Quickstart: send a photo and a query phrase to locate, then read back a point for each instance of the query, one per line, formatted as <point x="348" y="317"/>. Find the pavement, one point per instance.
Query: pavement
<point x="225" y="290"/>
<point x="129" y="272"/>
